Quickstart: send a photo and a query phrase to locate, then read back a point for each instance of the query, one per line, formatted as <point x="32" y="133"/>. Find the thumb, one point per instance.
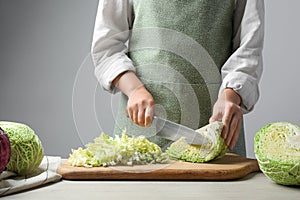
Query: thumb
<point x="214" y="118"/>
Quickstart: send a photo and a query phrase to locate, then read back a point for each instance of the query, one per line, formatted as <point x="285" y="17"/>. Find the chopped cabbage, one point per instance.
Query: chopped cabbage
<point x="277" y="149"/>
<point x="214" y="149"/>
<point x="124" y="150"/>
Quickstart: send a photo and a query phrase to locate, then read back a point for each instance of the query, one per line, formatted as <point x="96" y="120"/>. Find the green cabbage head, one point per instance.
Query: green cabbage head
<point x="26" y="148"/>
<point x="277" y="149"/>
<point x="214" y="149"/>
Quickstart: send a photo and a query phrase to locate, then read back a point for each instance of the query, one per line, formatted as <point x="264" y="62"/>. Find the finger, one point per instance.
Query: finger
<point x="224" y="132"/>
<point x="226" y="124"/>
<point x="236" y="135"/>
<point x="132" y="114"/>
<point x="148" y="121"/>
<point x="232" y="130"/>
<point x="216" y="116"/>
<point x="141" y="116"/>
<point x="141" y="113"/>
<point x="135" y="116"/>
<point x="213" y="119"/>
<point x="148" y="116"/>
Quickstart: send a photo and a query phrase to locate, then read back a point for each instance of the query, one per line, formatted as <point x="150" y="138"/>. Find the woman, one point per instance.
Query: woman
<point x="192" y="62"/>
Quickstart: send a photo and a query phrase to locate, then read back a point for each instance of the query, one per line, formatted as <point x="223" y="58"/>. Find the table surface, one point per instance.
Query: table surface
<point x="253" y="186"/>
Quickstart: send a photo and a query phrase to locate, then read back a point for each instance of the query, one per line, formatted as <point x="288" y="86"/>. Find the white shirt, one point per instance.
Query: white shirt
<point x="242" y="71"/>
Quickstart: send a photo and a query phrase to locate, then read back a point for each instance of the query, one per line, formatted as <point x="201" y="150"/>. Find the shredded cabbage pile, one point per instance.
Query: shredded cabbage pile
<point x="124" y="150"/>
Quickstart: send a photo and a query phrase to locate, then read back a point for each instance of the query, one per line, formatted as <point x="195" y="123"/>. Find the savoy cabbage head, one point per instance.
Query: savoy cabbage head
<point x="26" y="149"/>
<point x="277" y="149"/>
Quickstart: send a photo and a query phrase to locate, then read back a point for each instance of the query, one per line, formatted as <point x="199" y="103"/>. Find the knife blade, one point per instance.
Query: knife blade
<point x="173" y="131"/>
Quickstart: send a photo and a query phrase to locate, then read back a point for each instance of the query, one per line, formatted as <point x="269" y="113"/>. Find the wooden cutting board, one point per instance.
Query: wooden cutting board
<point x="230" y="166"/>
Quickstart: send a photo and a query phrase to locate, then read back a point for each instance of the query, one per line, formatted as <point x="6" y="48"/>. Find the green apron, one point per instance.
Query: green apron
<point x="178" y="48"/>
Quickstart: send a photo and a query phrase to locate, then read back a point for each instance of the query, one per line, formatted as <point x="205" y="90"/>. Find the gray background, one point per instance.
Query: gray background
<point x="47" y="82"/>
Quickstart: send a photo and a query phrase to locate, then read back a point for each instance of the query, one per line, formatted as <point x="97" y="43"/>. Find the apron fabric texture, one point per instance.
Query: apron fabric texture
<point x="178" y="48"/>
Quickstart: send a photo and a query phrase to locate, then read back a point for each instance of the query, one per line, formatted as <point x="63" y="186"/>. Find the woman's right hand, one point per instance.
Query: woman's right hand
<point x="140" y="106"/>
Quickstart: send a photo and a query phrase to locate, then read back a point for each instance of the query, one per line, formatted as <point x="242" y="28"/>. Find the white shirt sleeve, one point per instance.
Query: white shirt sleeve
<point x="111" y="34"/>
<point x="242" y="71"/>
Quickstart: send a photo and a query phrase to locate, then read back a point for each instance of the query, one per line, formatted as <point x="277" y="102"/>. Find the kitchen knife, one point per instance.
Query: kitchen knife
<point x="174" y="131"/>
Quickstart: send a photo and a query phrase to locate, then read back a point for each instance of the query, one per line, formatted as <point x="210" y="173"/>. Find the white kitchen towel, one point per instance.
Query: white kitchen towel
<point x="46" y="173"/>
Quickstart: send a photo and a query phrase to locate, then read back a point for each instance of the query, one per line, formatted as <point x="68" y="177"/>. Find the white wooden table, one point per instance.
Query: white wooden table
<point x="255" y="186"/>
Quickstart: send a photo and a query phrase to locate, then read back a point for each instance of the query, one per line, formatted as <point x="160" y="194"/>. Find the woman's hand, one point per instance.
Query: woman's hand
<point x="140" y="106"/>
<point x="227" y="110"/>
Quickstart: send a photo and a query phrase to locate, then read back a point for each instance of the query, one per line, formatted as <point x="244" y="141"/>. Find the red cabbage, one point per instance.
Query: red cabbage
<point x="4" y="150"/>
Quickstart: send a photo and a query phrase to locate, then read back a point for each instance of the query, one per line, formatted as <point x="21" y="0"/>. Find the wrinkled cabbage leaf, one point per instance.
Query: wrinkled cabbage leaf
<point x="215" y="148"/>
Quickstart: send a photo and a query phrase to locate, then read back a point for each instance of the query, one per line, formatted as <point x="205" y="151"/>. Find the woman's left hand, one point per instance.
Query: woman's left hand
<point x="227" y="110"/>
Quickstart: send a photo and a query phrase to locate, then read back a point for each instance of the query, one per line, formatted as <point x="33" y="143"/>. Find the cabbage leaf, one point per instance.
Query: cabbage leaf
<point x="215" y="148"/>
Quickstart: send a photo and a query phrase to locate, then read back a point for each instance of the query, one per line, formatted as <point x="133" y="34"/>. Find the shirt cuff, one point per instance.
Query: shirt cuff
<point x="107" y="72"/>
<point x="245" y="86"/>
